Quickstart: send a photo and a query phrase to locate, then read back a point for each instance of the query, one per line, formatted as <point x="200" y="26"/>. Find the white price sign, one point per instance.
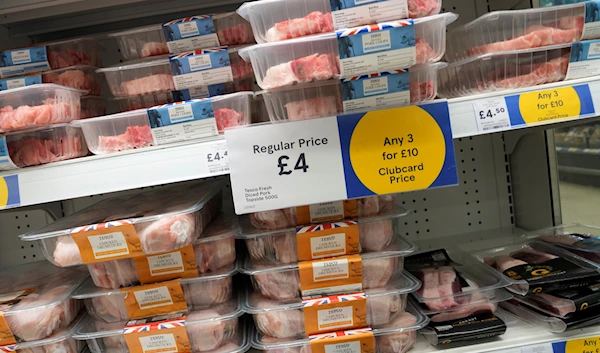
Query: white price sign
<point x="538" y="348"/>
<point x="491" y="114"/>
<point x="216" y="158"/>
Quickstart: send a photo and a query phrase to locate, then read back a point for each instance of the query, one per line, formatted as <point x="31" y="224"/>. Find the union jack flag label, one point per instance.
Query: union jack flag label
<point x="327" y="240"/>
<point x="190" y="33"/>
<point x="349" y="341"/>
<point x="333" y="313"/>
<point x="166" y="336"/>
<point x="326" y="212"/>
<point x="352" y="13"/>
<point x="8" y="348"/>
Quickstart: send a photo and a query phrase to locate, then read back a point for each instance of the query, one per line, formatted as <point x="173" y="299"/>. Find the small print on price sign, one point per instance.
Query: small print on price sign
<point x="339" y="158"/>
<point x="491" y="114"/>
<point x="216" y="158"/>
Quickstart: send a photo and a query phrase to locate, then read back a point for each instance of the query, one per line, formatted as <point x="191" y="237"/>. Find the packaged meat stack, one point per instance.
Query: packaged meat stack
<point x="278" y="20"/>
<point x="579" y="239"/>
<point x="538" y="267"/>
<point x="318" y="57"/>
<point x="80" y="77"/>
<point x="147" y="41"/>
<point x="132" y="226"/>
<point x="213" y="252"/>
<point x="92" y="107"/>
<point x="219" y="329"/>
<point x="180" y="295"/>
<point x="397" y="336"/>
<point x="37" y="302"/>
<point x="327" y="98"/>
<point x="43" y="145"/>
<point x="133" y="130"/>
<point x="74" y="52"/>
<point x="62" y="341"/>
<point x="38" y="106"/>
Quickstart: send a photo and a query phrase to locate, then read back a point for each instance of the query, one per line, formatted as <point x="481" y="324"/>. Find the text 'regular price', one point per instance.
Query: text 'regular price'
<point x="288" y="163"/>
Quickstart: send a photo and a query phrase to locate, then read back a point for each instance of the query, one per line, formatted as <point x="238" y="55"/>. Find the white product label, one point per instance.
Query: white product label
<point x="327" y="244"/>
<point x="325" y="210"/>
<point x="165" y="264"/>
<point x="188" y="29"/>
<point x="7" y="297"/>
<point x="216" y="158"/>
<point x="153" y="298"/>
<point x="203" y="78"/>
<point x="181" y="113"/>
<point x="367" y="12"/>
<point x="108" y="245"/>
<point x="591" y="31"/>
<point x="18" y="83"/>
<point x="199" y="92"/>
<point x="21" y="57"/>
<point x="335" y="319"/>
<point x="377" y="102"/>
<point x="377" y="41"/>
<point x="491" y="114"/>
<point x="189" y="44"/>
<point x="330" y="270"/>
<point x="584" y="60"/>
<point x="200" y="62"/>
<point x="5" y="162"/>
<point x="375" y="86"/>
<point x="346" y="347"/>
<point x="185" y="131"/>
<point x="378" y="62"/>
<point x="159" y="343"/>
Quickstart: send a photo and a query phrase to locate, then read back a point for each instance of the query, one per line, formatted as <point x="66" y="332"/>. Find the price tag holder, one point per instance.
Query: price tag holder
<point x="491" y="114"/>
<point x="12" y="83"/>
<point x="337" y="158"/>
<point x="583" y="345"/>
<point x="216" y="158"/>
<point x="10" y="194"/>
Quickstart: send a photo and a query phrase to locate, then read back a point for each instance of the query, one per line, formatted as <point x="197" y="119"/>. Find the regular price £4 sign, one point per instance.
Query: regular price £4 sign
<point x="337" y="158"/>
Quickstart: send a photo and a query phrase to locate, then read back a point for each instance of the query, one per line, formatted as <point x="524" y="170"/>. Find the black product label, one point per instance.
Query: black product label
<point x="555" y="270"/>
<point x="468" y="329"/>
<point x="583" y="298"/>
<point x="576" y="320"/>
<point x="560" y="286"/>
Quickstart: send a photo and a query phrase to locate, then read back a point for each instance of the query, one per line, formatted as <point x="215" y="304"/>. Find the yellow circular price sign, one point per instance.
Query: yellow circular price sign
<point x="3" y="193"/>
<point x="397" y="150"/>
<point x="554" y="104"/>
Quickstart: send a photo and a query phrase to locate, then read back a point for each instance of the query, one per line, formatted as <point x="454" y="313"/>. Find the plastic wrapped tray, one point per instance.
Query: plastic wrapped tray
<point x="74" y="52"/>
<point x="326" y="98"/>
<point x="163" y="220"/>
<point x="507" y="31"/>
<point x="580" y="237"/>
<point x="132" y="130"/>
<point x="271" y="60"/>
<point x="45" y="145"/>
<point x="81" y="77"/>
<point x="232" y="29"/>
<point x="200" y="292"/>
<point x="510" y="70"/>
<point x="61" y="341"/>
<point x="92" y="107"/>
<point x="281" y="246"/>
<point x="286" y="319"/>
<point x="219" y="329"/>
<point x="398" y="336"/>
<point x="275" y="20"/>
<point x="38" y="106"/>
<point x="37" y="301"/>
<point x="214" y="250"/>
<point x="545" y="270"/>
<point x="283" y="282"/>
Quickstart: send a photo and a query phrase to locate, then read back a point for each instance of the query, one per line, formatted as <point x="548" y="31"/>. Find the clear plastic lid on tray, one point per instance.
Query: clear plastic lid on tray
<point x="510" y="70"/>
<point x="296" y="61"/>
<point x="141" y="42"/>
<point x="452" y="278"/>
<point x="232" y="29"/>
<point x="506" y="31"/>
<point x="81" y="77"/>
<point x="367" y="234"/>
<point x="327" y="98"/>
<point x="92" y="107"/>
<point x="162" y="220"/>
<point x="61" y="341"/>
<point x="276" y="20"/>
<point x="397" y="336"/>
<point x="477" y="303"/>
<point x="43" y="105"/>
<point x="382" y="306"/>
<point x="72" y="52"/>
<point x="579" y="237"/>
<point x="208" y="330"/>
<point x="38" y="146"/>
<point x="536" y="267"/>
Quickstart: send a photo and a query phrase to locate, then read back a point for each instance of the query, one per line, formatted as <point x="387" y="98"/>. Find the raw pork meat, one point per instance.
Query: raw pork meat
<point x="313" y="23"/>
<point x="503" y="263"/>
<point x="134" y="137"/>
<point x="564" y="239"/>
<point x="148" y="84"/>
<point x="167" y="233"/>
<point x="241" y="69"/>
<point x="75" y="78"/>
<point x="422" y="91"/>
<point x="424" y="51"/>
<point x="422" y="8"/>
<point x="552" y="71"/>
<point x="463" y="312"/>
<point x="227" y="118"/>
<point x="239" y="34"/>
<point x="36" y="116"/>
<point x="206" y="335"/>
<point x="398" y="342"/>
<point x="313" y="108"/>
<point x="439" y="284"/>
<point x="31" y="150"/>
<point x="114" y="274"/>
<point x="60" y="59"/>
<point x="532" y="256"/>
<point x="556" y="305"/>
<point x="154" y="49"/>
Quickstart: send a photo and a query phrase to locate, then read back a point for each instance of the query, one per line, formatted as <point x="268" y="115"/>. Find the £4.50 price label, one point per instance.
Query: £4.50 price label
<point x="338" y="158"/>
<point x="216" y="158"/>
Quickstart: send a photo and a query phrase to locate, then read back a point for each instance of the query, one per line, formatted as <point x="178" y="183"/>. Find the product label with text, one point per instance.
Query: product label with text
<point x="349" y="341"/>
<point x="182" y="121"/>
<point x="376" y="91"/>
<point x="107" y="241"/>
<point x="167" y="266"/>
<point x="154" y="299"/>
<point x="12" y="83"/>
<point x="335" y="313"/>
<point x="190" y="33"/>
<point x="332" y="276"/>
<point x="22" y="61"/>
<point x="327" y="240"/>
<point x="202" y="67"/>
<point x="591" y="27"/>
<point x="326" y="211"/>
<point x="352" y="13"/>
<point x="148" y="336"/>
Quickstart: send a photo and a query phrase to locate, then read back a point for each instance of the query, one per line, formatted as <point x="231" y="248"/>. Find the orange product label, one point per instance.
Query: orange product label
<point x="154" y="299"/>
<point x="332" y="276"/>
<point x="326" y="211"/>
<point x="327" y="240"/>
<point x="167" y="336"/>
<point x="349" y="341"/>
<point x="335" y="313"/>
<point x="7" y="300"/>
<point x="167" y="266"/>
<point x="107" y="241"/>
<point x="6" y="336"/>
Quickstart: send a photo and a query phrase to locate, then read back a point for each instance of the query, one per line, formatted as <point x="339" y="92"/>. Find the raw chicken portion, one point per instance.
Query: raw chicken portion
<point x="313" y="23"/>
<point x="208" y="335"/>
<point x="31" y="150"/>
<point x="154" y="49"/>
<point x="66" y="253"/>
<point x="239" y="34"/>
<point x="213" y="255"/>
<point x="148" y="84"/>
<point x="227" y="118"/>
<point x="422" y="8"/>
<point x="438" y="286"/>
<point x="227" y="347"/>
<point x="37" y="116"/>
<point x="134" y="137"/>
<point x="398" y="342"/>
<point x="66" y="345"/>
<point x="75" y="78"/>
<point x="167" y="233"/>
<point x="116" y="342"/>
<point x="60" y="59"/>
<point x="114" y="274"/>
<point x="109" y="308"/>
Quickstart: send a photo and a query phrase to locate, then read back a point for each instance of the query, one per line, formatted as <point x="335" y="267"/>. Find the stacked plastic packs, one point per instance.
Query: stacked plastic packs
<point x="332" y="269"/>
<point x="515" y="49"/>
<point x="457" y="289"/>
<point x="554" y="289"/>
<point x="316" y="60"/>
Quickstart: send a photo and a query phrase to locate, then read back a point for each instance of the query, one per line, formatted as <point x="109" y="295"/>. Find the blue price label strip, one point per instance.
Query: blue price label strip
<point x="344" y="157"/>
<point x="10" y="195"/>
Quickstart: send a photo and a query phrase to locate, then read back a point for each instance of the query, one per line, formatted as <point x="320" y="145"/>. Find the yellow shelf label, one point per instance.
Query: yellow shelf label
<point x="554" y="104"/>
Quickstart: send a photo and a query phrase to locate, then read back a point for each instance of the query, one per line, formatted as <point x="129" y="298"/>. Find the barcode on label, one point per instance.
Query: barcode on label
<point x="218" y="170"/>
<point x="495" y="127"/>
<point x="444" y="328"/>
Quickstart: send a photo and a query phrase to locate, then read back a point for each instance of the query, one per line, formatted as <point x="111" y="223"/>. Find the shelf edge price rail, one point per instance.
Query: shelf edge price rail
<point x="337" y="158"/>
